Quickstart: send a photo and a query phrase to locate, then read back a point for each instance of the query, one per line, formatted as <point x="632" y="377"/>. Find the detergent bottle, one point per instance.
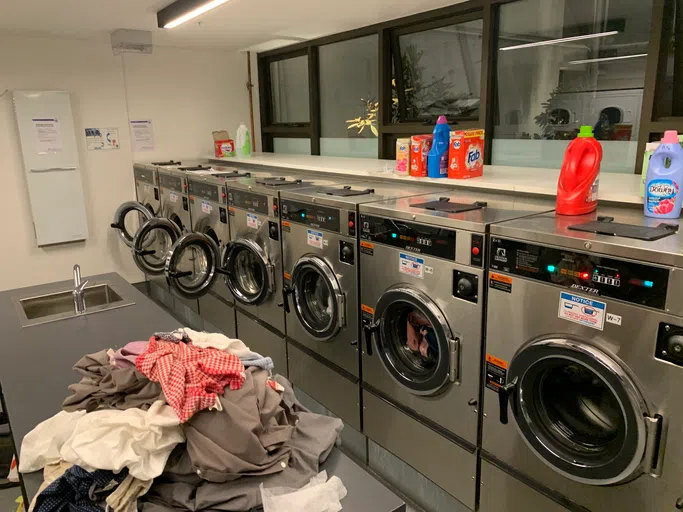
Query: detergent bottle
<point x="664" y="177"/>
<point x="243" y="143"/>
<point x="437" y="162"/>
<point x="577" y="188"/>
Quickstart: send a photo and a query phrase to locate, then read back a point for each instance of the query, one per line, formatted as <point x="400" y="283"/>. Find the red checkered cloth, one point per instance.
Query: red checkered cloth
<point x="190" y="377"/>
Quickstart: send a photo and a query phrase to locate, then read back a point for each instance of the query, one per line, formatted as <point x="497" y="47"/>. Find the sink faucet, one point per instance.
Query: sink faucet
<point x="79" y="303"/>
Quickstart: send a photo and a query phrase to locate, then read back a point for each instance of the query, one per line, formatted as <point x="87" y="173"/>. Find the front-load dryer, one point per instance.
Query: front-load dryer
<point x="422" y="297"/>
<point x="584" y="359"/>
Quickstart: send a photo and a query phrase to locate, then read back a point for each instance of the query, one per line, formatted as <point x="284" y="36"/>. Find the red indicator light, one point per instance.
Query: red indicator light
<point x="475" y="251"/>
<point x="350" y="223"/>
<point x="584" y="275"/>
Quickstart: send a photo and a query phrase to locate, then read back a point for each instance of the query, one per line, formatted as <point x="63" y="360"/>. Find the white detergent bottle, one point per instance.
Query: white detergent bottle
<point x="243" y="142"/>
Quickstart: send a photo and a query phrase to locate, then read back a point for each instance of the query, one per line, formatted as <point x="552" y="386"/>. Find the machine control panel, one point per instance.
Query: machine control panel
<point x="417" y="238"/>
<point x="587" y="273"/>
<point x="144" y="175"/>
<point x="314" y="215"/>
<point x="257" y="203"/>
<point x="205" y="191"/>
<point x="171" y="182"/>
<point x="477" y="251"/>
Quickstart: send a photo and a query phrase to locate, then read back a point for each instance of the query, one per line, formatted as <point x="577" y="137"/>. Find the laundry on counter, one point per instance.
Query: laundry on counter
<point x="79" y="490"/>
<point x="319" y="495"/>
<point x="191" y="378"/>
<point x="181" y="488"/>
<point x="51" y="472"/>
<point x="135" y="439"/>
<point x="42" y="445"/>
<point x="106" y="386"/>
<point x="125" y="357"/>
<point x="125" y="497"/>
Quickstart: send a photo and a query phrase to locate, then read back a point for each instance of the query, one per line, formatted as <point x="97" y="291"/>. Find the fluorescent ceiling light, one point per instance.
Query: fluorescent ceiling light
<point x="605" y="59"/>
<point x="562" y="40"/>
<point x="182" y="11"/>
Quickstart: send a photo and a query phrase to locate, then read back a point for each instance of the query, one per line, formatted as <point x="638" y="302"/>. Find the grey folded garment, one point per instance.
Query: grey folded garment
<point x="180" y="488"/>
<point x="109" y="387"/>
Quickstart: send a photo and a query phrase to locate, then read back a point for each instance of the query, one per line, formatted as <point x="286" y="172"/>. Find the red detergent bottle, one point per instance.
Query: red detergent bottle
<point x="577" y="188"/>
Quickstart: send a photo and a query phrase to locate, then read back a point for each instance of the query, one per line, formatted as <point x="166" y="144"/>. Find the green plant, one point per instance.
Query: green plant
<point x="369" y="118"/>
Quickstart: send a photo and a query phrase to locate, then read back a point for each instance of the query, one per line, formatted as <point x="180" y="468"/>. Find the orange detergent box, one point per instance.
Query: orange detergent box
<point x="419" y="151"/>
<point x="466" y="154"/>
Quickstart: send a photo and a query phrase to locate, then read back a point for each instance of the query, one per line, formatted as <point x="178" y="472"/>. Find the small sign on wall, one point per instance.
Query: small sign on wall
<point x="142" y="135"/>
<point x="99" y="139"/>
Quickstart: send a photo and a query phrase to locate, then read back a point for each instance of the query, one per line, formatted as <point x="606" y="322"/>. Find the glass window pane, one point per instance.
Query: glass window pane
<point x="289" y="90"/>
<point x="441" y="73"/>
<point x="292" y="146"/>
<point x="349" y="106"/>
<point x="669" y="100"/>
<point x="565" y="64"/>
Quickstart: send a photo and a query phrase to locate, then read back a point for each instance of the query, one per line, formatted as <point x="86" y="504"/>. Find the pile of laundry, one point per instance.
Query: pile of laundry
<point x="185" y="421"/>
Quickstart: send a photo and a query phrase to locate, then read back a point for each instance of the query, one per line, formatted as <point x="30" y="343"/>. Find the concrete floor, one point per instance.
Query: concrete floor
<point x="8" y="499"/>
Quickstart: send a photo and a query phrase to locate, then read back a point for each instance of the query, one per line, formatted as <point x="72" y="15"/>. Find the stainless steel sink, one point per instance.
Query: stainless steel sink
<point x="52" y="307"/>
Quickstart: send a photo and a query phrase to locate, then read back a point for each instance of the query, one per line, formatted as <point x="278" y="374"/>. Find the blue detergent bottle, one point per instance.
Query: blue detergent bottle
<point x="437" y="161"/>
<point x="663" y="199"/>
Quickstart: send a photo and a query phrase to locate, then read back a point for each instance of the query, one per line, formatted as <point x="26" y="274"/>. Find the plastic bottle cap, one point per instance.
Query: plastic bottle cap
<point x="585" y="131"/>
<point x="442" y="120"/>
<point x="670" y="137"/>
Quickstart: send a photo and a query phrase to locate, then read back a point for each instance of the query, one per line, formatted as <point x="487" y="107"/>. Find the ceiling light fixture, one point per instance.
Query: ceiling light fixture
<point x="562" y="40"/>
<point x="182" y="11"/>
<point x="605" y="59"/>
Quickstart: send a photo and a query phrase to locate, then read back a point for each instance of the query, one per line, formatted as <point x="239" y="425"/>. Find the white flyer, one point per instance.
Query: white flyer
<point x="315" y="239"/>
<point x="411" y="265"/>
<point x="48" y="135"/>
<point x="142" y="135"/>
<point x="252" y="221"/>
<point x="173" y="197"/>
<point x="582" y="310"/>
<point x="206" y="207"/>
<point x="102" y="139"/>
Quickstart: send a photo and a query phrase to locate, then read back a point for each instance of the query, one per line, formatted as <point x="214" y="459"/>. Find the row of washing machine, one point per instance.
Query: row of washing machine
<point x="516" y="359"/>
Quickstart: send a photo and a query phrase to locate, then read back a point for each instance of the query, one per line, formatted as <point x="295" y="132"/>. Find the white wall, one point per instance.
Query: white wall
<point x="187" y="94"/>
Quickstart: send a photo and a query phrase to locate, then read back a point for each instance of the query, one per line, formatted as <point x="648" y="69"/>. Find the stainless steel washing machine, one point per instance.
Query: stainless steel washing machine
<point x="320" y="239"/>
<point x="584" y="358"/>
<point x="422" y="300"/>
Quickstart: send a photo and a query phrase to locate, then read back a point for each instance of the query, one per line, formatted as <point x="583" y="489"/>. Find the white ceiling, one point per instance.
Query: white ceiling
<point x="236" y="25"/>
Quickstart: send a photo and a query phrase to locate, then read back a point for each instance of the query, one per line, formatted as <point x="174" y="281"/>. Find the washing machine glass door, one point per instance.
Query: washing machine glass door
<point x="319" y="302"/>
<point x="580" y="412"/>
<point x="249" y="274"/>
<point x="127" y="224"/>
<point x="152" y="244"/>
<point x="414" y="342"/>
<point x="192" y="265"/>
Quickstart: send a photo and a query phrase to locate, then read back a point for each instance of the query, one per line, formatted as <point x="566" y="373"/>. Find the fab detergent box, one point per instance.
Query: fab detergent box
<point x="419" y="153"/>
<point x="403" y="157"/>
<point x="466" y="154"/>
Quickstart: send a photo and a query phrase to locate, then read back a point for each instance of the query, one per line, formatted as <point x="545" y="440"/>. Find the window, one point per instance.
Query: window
<point x="289" y="90"/>
<point x="292" y="146"/>
<point x="438" y="71"/>
<point x="561" y="65"/>
<point x="669" y="98"/>
<point x="349" y="103"/>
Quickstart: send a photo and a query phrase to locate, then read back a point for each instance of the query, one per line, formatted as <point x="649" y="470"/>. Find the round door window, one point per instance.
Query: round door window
<point x="413" y="340"/>
<point x="247" y="272"/>
<point x="153" y="243"/>
<point x="579" y="411"/>
<point x="191" y="265"/>
<point x="127" y="224"/>
<point x="317" y="296"/>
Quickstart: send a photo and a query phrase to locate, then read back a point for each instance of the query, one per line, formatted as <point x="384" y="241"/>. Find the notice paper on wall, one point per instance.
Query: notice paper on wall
<point x="48" y="135"/>
<point x="98" y="139"/>
<point x="142" y="135"/>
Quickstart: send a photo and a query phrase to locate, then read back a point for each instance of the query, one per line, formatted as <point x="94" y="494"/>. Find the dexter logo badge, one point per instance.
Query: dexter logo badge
<point x="501" y="255"/>
<point x="411" y="265"/>
<point x="582" y="310"/>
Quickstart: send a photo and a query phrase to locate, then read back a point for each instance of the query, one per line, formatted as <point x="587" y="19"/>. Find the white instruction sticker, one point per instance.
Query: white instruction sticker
<point x="613" y="319"/>
<point x="147" y="188"/>
<point x="582" y="310"/>
<point x="206" y="207"/>
<point x="252" y="221"/>
<point x="315" y="239"/>
<point x="411" y="265"/>
<point x="173" y="197"/>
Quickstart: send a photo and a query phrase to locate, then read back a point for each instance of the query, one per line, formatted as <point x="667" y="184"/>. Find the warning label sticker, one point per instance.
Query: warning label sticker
<point x="286" y="227"/>
<point x="173" y="197"/>
<point x="252" y="221"/>
<point x="411" y="265"/>
<point x="367" y="309"/>
<point x="315" y="239"/>
<point x="206" y="207"/>
<point x="367" y="248"/>
<point x="582" y="310"/>
<point x="500" y="282"/>
<point x="496" y="372"/>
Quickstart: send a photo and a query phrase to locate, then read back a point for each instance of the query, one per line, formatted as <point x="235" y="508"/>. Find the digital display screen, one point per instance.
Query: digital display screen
<point x="314" y="215"/>
<point x="205" y="191"/>
<point x="592" y="274"/>
<point x="171" y="182"/>
<point x="249" y="201"/>
<point x="417" y="238"/>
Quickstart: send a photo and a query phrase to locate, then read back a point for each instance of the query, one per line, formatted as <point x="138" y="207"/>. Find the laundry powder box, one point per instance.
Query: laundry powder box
<point x="403" y="157"/>
<point x="419" y="153"/>
<point x="223" y="145"/>
<point x="466" y="154"/>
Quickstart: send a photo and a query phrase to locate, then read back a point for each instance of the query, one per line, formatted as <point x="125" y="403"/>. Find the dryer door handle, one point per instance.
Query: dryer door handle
<point x="286" y="292"/>
<point x="505" y="392"/>
<point x="369" y="329"/>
